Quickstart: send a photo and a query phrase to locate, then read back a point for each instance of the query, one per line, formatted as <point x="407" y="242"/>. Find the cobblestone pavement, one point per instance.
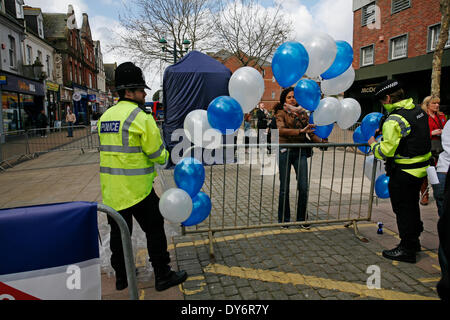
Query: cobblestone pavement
<point x="326" y="262"/>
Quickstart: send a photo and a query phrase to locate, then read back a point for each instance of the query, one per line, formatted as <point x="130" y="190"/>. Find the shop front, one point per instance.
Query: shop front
<point x="66" y="103"/>
<point x="80" y="104"/>
<point x="22" y="101"/>
<point x="53" y="104"/>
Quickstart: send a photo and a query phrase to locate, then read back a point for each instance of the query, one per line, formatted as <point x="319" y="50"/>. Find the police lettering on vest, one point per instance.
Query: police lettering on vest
<point x="110" y="127"/>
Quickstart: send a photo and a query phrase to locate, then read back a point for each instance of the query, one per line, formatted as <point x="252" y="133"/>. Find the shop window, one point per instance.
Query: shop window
<point x="398" y="47"/>
<point x="367" y="56"/>
<point x="10" y="111"/>
<point x="433" y="37"/>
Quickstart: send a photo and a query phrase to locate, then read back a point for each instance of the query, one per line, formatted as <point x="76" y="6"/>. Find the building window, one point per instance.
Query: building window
<point x="12" y="52"/>
<point x="90" y="80"/>
<point x="433" y="37"/>
<point x="368" y="14"/>
<point x="40" y="56"/>
<point x="29" y="55"/>
<point x="19" y="9"/>
<point x="273" y="94"/>
<point x="367" y="56"/>
<point x="40" y="27"/>
<point x="398" y="47"/>
<point x="400" y="5"/>
<point x="48" y="65"/>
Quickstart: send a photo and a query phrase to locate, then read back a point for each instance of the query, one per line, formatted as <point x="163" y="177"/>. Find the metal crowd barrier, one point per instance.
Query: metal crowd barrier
<point x="245" y="194"/>
<point x="30" y="143"/>
<point x="13" y="147"/>
<point x="127" y="248"/>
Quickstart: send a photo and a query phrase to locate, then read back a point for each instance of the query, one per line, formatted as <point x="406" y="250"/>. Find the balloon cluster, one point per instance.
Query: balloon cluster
<point x="322" y="60"/>
<point x="204" y="128"/>
<point x="186" y="204"/>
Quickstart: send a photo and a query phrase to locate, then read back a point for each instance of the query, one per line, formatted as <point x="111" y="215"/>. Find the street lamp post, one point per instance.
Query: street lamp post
<point x="175" y="51"/>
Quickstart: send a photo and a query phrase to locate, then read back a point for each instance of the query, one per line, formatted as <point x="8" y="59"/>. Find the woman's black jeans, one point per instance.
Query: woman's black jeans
<point x="291" y="157"/>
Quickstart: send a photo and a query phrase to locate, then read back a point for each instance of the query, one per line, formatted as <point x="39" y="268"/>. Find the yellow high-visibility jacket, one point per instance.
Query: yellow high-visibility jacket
<point x="130" y="145"/>
<point x="394" y="129"/>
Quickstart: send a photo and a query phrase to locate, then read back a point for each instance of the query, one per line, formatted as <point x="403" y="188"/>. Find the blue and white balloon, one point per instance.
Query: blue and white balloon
<point x="189" y="175"/>
<point x="201" y="208"/>
<point x="225" y="114"/>
<point x="307" y="93"/>
<point x="289" y="63"/>
<point x="343" y="60"/>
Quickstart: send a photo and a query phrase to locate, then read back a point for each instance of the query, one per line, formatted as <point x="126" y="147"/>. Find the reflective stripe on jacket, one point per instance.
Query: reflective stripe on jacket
<point x="394" y="129"/>
<point x="130" y="145"/>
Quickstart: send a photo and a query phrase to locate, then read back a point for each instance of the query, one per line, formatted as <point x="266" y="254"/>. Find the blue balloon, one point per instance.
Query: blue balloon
<point x="381" y="187"/>
<point x="225" y="114"/>
<point x="189" y="175"/>
<point x="307" y="93"/>
<point x="289" y="63"/>
<point x="359" y="138"/>
<point x="201" y="208"/>
<point x="370" y="123"/>
<point x="343" y="61"/>
<point x="321" y="131"/>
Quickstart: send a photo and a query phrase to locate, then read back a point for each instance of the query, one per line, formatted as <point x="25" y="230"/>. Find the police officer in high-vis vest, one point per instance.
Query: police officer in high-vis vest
<point x="405" y="147"/>
<point x="130" y="147"/>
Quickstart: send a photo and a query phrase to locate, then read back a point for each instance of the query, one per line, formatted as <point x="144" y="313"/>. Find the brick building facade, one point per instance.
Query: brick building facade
<point x="396" y="39"/>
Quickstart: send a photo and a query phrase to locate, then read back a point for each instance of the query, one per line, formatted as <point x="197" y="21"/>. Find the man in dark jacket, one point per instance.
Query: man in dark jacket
<point x="42" y="122"/>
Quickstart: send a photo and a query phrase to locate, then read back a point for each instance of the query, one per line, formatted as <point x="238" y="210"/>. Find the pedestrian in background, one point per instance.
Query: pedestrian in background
<point x="130" y="147"/>
<point x="436" y="122"/>
<point x="261" y="124"/>
<point x="247" y="130"/>
<point x="293" y="125"/>
<point x="42" y="122"/>
<point x="405" y="147"/>
<point x="70" y="119"/>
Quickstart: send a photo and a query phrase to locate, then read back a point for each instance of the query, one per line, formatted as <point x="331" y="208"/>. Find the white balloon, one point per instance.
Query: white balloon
<point x="322" y="51"/>
<point x="175" y="205"/>
<point x="369" y="167"/>
<point x="199" y="131"/>
<point x="349" y="113"/>
<point x="339" y="84"/>
<point x="246" y="85"/>
<point x="327" y="112"/>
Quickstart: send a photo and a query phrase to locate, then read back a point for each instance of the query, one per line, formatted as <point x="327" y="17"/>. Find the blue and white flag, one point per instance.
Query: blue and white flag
<point x="50" y="252"/>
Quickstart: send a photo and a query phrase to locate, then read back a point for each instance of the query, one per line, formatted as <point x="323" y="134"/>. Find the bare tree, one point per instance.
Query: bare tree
<point x="249" y="31"/>
<point x="145" y="22"/>
<point x="437" y="57"/>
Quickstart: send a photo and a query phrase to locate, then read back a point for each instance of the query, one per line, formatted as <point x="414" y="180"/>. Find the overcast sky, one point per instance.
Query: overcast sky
<point x="334" y="17"/>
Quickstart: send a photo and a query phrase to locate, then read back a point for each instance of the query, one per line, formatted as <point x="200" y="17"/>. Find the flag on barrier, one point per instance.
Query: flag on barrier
<point x="50" y="252"/>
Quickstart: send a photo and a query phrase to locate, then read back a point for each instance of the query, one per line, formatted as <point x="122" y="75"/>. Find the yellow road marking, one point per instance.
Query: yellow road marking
<point x="191" y="292"/>
<point x="259" y="234"/>
<point x="428" y="280"/>
<point x="141" y="258"/>
<point x="298" y="279"/>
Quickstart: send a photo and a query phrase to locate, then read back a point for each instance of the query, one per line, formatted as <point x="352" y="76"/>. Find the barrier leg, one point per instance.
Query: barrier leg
<point x="127" y="249"/>
<point x="356" y="231"/>
<point x="211" y="246"/>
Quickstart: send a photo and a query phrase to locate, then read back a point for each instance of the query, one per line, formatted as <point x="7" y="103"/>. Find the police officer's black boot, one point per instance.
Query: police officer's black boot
<point x="401" y="253"/>
<point x="169" y="279"/>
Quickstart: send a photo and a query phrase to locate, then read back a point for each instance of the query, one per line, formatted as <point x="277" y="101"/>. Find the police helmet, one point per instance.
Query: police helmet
<point x="129" y="76"/>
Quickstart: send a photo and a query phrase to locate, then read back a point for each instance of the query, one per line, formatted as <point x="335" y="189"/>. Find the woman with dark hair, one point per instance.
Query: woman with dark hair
<point x="293" y="127"/>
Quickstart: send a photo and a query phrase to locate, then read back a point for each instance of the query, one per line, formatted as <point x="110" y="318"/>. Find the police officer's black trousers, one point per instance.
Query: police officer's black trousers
<point x="404" y="191"/>
<point x="150" y="220"/>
